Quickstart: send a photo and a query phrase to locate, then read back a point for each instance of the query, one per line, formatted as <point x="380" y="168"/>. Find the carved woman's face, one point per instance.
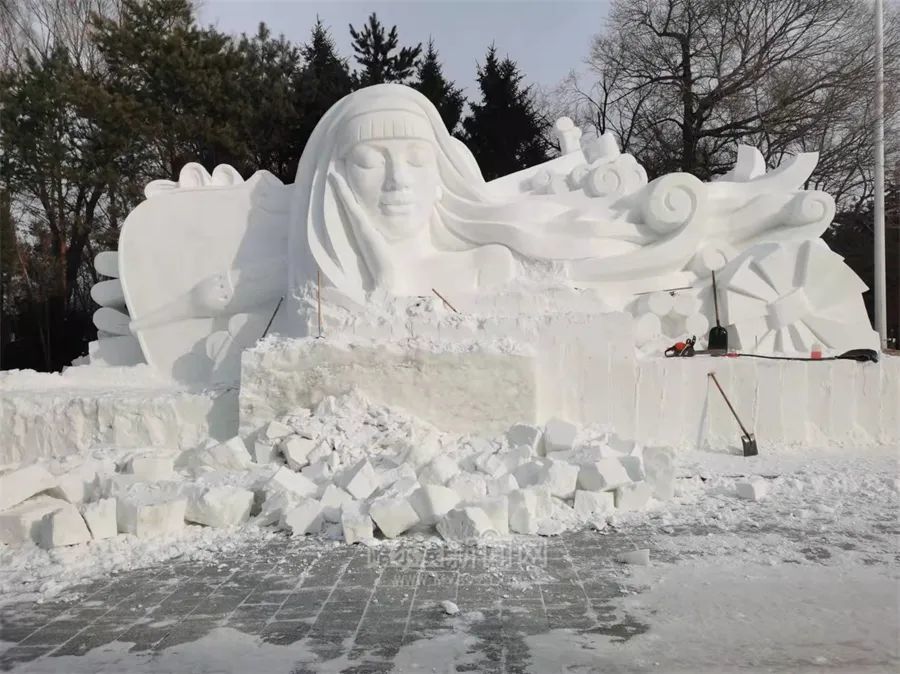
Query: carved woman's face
<point x="397" y="183"/>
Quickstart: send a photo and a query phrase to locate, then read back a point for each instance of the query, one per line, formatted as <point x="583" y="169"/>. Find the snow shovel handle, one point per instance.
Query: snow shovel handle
<point x="712" y="375"/>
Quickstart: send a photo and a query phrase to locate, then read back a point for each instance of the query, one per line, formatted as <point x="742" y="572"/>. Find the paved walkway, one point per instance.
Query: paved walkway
<point x="783" y="593"/>
<point x="352" y="601"/>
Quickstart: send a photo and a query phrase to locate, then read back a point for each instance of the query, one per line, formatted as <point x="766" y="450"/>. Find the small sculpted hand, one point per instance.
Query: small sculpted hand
<point x="371" y="245"/>
<point x="212" y="295"/>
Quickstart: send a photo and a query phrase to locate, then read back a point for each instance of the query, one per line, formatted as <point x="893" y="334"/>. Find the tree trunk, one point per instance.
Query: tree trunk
<point x="689" y="115"/>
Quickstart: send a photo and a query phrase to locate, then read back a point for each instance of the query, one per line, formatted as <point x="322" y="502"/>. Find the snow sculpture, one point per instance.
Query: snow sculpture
<point x="387" y="203"/>
<point x="115" y="345"/>
<point x="202" y="265"/>
<point x="386" y="199"/>
<point x="788" y="297"/>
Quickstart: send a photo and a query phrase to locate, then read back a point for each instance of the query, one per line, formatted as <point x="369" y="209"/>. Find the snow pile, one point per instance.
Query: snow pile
<point x="456" y="316"/>
<point x="351" y="470"/>
<point x="385" y="471"/>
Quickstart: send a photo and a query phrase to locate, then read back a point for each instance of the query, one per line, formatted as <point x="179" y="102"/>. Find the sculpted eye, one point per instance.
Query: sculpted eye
<point x="419" y="154"/>
<point x="366" y="157"/>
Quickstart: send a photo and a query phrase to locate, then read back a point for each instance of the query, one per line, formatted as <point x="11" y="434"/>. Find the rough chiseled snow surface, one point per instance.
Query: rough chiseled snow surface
<point x="85" y="378"/>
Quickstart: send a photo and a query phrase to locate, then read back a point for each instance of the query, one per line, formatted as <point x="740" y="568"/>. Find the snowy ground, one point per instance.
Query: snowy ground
<point x="805" y="580"/>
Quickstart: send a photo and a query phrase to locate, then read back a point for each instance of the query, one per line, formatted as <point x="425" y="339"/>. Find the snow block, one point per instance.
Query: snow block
<point x="229" y="455"/>
<point x="752" y="490"/>
<point x="464" y="524"/>
<point x="318" y="472"/>
<point x="422" y="451"/>
<point x="276" y="506"/>
<point x="305" y="518"/>
<point x="357" y="526"/>
<point x="634" y="496"/>
<point x="393" y="515"/>
<point x="497" y="509"/>
<point x="523" y="511"/>
<point x="333" y="500"/>
<point x="543" y="501"/>
<point x="549" y="527"/>
<point x="64" y="526"/>
<point x="22" y="483"/>
<point x="401" y="488"/>
<point x="559" y="435"/>
<point x="502" y="485"/>
<point x="220" y="507"/>
<point x="470" y="487"/>
<point x="296" y="451"/>
<point x="562" y="479"/>
<point x="516" y="457"/>
<point x="524" y="434"/>
<point x="321" y="452"/>
<point x="148" y="519"/>
<point x="566" y="456"/>
<point x="263" y="452"/>
<point x="432" y="501"/>
<point x="441" y="469"/>
<point x="594" y="502"/>
<point x="20" y="523"/>
<point x="602" y="475"/>
<point x="392" y="475"/>
<point x="361" y="480"/>
<point x="100" y="517"/>
<point x="531" y="473"/>
<point x="287" y="480"/>
<point x="275" y="431"/>
<point x="491" y="464"/>
<point x="634" y="467"/>
<point x="151" y="467"/>
<point x="76" y="486"/>
<point x="659" y="466"/>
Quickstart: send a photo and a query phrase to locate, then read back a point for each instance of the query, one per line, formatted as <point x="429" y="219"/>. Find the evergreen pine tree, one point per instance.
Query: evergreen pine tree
<point x="324" y="80"/>
<point x="270" y="117"/>
<point x="430" y="80"/>
<point x="375" y="53"/>
<point x="174" y="85"/>
<point x="504" y="131"/>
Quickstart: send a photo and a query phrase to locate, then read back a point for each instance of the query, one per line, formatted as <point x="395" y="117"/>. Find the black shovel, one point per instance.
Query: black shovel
<point x="717" y="342"/>
<point x="747" y="439"/>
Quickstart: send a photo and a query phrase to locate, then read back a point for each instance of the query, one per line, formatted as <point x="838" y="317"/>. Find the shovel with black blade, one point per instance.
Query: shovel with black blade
<point x="717" y="342"/>
<point x="747" y="439"/>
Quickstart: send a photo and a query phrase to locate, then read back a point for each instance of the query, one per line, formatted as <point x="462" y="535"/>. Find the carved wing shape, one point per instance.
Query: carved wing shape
<point x="184" y="234"/>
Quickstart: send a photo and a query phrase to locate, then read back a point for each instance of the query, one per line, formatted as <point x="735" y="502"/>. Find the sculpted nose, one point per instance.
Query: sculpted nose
<point x="397" y="176"/>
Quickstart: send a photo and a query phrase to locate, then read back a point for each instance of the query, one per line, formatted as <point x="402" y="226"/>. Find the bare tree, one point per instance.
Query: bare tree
<point x="682" y="82"/>
<point x="37" y="27"/>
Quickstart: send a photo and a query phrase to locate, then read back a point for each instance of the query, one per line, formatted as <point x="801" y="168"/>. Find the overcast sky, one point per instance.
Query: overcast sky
<point x="546" y="38"/>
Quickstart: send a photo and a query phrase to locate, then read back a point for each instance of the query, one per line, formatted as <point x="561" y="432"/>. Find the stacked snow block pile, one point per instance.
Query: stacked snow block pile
<point x="146" y="494"/>
<point x="349" y="471"/>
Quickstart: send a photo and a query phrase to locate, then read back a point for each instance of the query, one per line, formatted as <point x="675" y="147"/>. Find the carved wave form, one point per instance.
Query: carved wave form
<point x="811" y="207"/>
<point x="616" y="178"/>
<point x="673" y="201"/>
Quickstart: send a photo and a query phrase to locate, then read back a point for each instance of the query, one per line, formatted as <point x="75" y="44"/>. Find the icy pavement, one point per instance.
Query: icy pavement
<point x="804" y="580"/>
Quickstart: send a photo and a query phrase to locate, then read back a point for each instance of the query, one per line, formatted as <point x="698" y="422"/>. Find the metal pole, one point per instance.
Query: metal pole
<point x="880" y="278"/>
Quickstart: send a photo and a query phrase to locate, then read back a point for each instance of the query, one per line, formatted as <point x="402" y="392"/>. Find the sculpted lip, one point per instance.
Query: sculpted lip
<point x="396" y="202"/>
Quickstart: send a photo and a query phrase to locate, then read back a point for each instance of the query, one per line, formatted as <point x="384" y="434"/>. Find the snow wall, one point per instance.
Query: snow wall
<point x="59" y="421"/>
<point x="580" y="375"/>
